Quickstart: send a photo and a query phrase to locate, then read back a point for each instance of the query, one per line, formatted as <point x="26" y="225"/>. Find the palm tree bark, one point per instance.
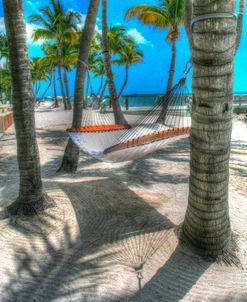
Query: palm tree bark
<point x="67" y="89"/>
<point x="31" y="195"/>
<point x="125" y="81"/>
<point x="55" y="88"/>
<point x="59" y="51"/>
<point x="187" y="19"/>
<point x="118" y="114"/>
<point x="71" y="154"/>
<point x="207" y="224"/>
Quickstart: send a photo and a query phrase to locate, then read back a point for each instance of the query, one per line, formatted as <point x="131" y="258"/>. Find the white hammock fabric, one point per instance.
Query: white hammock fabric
<point x="150" y="129"/>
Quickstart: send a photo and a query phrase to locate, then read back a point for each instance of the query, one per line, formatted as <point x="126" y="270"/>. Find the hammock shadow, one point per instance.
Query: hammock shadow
<point x="108" y="210"/>
<point x="174" y="280"/>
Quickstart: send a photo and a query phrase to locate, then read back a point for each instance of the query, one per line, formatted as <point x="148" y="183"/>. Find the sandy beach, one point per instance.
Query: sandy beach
<point x="111" y="232"/>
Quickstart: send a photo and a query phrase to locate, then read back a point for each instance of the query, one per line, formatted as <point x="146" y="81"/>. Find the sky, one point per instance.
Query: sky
<point x="149" y="77"/>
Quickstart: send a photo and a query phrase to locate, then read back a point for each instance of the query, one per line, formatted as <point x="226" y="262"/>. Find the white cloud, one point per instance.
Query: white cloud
<point x="139" y="37"/>
<point x="2" y="25"/>
<point x="30" y="29"/>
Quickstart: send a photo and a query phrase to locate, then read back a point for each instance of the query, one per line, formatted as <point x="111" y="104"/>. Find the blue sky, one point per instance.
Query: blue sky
<point x="151" y="76"/>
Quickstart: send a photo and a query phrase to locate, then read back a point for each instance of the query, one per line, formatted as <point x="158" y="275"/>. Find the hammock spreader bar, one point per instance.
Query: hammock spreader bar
<point x="150" y="138"/>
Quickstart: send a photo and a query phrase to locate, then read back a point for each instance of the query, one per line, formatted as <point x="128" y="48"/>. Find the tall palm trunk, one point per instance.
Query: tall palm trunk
<point x="118" y="114"/>
<point x="48" y="87"/>
<point x="30" y="192"/>
<point x="59" y="51"/>
<point x="67" y="89"/>
<point x="164" y="105"/>
<point x="103" y="92"/>
<point x="125" y="81"/>
<point x="207" y="224"/>
<point x="172" y="67"/>
<point x="55" y="88"/>
<point x="100" y="86"/>
<point x="71" y="154"/>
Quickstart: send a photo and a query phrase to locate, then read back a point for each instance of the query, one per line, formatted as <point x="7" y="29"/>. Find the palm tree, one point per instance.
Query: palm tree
<point x="50" y="60"/>
<point x="99" y="71"/>
<point x="38" y="74"/>
<point x="60" y="25"/>
<point x="71" y="154"/>
<point x="118" y="114"/>
<point x="4" y="47"/>
<point x="31" y="197"/>
<point x="207" y="223"/>
<point x="170" y="15"/>
<point x="129" y="55"/>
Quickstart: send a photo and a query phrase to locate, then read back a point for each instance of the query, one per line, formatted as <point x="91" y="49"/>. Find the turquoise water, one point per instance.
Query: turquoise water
<point x="149" y="100"/>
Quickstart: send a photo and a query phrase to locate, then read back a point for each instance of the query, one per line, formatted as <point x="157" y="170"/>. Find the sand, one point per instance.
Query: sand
<point x="109" y="219"/>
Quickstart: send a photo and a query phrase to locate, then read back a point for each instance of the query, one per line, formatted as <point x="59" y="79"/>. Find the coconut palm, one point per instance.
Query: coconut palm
<point x="118" y="114"/>
<point x="207" y="223"/>
<point x="50" y="60"/>
<point x="170" y="15"/>
<point x="130" y="54"/>
<point x="39" y="73"/>
<point x="99" y="72"/>
<point x="59" y="25"/>
<point x="31" y="197"/>
<point x="71" y="154"/>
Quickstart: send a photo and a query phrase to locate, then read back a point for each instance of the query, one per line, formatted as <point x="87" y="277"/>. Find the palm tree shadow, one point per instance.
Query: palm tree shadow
<point x="76" y="266"/>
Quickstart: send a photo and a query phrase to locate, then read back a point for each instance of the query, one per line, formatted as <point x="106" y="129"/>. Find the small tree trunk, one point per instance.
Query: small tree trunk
<point x="71" y="155"/>
<point x="59" y="51"/>
<point x="103" y="92"/>
<point x="118" y="114"/>
<point x="67" y="89"/>
<point x="125" y="81"/>
<point x="172" y="67"/>
<point x="101" y="86"/>
<point x="165" y="99"/>
<point x="207" y="224"/>
<point x="48" y="87"/>
<point x="55" y="88"/>
<point x="31" y="196"/>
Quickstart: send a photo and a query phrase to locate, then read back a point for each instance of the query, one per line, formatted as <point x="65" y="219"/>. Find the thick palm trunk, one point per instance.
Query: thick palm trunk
<point x="30" y="193"/>
<point x="59" y="51"/>
<point x="125" y="81"/>
<point x="71" y="155"/>
<point x="55" y="88"/>
<point x="118" y="114"/>
<point x="207" y="224"/>
<point x="67" y="89"/>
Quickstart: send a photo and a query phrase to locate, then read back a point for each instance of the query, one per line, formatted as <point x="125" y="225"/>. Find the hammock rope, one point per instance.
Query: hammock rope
<point x="148" y="129"/>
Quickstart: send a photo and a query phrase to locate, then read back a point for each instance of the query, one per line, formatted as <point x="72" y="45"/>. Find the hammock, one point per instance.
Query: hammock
<point x="148" y="129"/>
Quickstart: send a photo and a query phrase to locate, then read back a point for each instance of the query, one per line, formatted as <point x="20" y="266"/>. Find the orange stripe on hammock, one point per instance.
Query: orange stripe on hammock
<point x="149" y="138"/>
<point x="99" y="128"/>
